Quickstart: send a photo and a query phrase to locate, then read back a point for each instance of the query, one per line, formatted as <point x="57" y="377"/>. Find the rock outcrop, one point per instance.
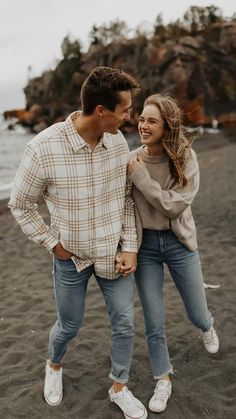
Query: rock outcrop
<point x="200" y="70"/>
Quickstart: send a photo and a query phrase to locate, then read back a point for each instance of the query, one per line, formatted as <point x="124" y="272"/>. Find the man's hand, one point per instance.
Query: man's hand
<point x="61" y="253"/>
<point x="126" y="263"/>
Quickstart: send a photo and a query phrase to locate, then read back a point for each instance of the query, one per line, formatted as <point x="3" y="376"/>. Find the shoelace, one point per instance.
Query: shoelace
<point x="210" y="337"/>
<point x="56" y="386"/>
<point x="161" y="393"/>
<point x="129" y="400"/>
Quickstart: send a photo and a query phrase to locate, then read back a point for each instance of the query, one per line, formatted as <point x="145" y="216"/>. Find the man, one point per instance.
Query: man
<point x="80" y="167"/>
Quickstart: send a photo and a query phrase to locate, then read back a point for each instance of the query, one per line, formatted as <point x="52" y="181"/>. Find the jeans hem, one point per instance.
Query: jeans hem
<point x="118" y="380"/>
<point x="169" y="371"/>
<point x="208" y="328"/>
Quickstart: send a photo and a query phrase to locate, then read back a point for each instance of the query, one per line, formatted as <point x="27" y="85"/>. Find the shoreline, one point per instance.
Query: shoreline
<point x="5" y="192"/>
<point x="3" y="205"/>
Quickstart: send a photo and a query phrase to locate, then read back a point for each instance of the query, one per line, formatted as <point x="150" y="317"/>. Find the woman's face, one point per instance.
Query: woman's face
<point x="151" y="126"/>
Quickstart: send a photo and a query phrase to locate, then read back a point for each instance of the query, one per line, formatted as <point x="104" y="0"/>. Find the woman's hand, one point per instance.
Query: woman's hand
<point x="135" y="163"/>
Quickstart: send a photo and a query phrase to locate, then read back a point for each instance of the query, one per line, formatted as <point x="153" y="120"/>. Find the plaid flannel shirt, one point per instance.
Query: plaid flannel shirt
<point x="86" y="192"/>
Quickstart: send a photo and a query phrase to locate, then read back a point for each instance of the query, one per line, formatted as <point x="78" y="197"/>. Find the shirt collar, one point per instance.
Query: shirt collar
<point x="75" y="139"/>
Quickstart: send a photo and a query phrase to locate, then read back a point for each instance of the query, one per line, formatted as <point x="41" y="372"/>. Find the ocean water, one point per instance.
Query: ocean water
<point x="12" y="143"/>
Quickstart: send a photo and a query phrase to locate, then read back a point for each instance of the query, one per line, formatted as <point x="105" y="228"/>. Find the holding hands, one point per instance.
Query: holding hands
<point x="126" y="263"/>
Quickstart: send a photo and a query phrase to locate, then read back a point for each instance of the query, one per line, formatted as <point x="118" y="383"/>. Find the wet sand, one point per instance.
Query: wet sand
<point x="203" y="386"/>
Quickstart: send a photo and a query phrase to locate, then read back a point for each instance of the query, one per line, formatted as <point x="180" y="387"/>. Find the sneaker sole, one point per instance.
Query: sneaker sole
<point x="145" y="415"/>
<point x="211" y="352"/>
<point x="50" y="403"/>
<point x="157" y="411"/>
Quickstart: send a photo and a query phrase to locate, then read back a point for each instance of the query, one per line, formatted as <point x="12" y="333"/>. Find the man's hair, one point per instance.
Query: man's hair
<point x="102" y="87"/>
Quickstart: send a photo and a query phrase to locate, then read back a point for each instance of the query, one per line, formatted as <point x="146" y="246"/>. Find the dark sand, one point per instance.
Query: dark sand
<point x="204" y="385"/>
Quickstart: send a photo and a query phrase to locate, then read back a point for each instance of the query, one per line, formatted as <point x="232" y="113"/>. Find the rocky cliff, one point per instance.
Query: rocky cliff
<point x="199" y="69"/>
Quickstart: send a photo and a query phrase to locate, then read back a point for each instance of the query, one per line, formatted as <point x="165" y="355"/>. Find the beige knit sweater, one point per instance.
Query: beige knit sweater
<point x="162" y="204"/>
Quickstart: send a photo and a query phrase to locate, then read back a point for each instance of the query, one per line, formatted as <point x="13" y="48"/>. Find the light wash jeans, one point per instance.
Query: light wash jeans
<point x="159" y="247"/>
<point x="70" y="291"/>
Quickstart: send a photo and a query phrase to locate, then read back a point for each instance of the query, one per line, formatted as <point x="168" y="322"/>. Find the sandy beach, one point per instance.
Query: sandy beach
<point x="204" y="385"/>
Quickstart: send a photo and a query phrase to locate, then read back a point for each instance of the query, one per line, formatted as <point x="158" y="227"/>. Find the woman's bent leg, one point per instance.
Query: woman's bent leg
<point x="185" y="269"/>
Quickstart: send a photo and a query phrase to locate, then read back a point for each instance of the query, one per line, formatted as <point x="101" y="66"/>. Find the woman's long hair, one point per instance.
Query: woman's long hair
<point x="176" y="141"/>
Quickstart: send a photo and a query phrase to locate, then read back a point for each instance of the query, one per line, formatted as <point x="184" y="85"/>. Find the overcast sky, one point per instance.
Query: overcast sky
<point x="31" y="32"/>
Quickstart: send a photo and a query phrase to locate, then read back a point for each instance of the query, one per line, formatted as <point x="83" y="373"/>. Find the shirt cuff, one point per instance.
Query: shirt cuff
<point x="50" y="243"/>
<point x="132" y="248"/>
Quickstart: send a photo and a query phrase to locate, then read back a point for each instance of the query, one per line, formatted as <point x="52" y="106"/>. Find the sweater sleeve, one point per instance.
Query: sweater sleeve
<point x="174" y="201"/>
<point x="27" y="188"/>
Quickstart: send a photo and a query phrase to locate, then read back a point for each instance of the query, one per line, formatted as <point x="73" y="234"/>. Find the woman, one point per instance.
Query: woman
<point x="165" y="176"/>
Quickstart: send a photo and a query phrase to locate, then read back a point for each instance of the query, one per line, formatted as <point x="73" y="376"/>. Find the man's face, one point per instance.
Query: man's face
<point x="112" y="120"/>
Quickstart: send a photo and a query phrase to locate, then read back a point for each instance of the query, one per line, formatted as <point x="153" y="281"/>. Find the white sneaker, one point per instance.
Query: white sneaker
<point x="210" y="340"/>
<point x="131" y="407"/>
<point x="53" y="386"/>
<point x="161" y="395"/>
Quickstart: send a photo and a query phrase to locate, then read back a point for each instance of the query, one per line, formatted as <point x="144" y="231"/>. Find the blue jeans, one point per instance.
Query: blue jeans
<point x="70" y="291"/>
<point x="159" y="247"/>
